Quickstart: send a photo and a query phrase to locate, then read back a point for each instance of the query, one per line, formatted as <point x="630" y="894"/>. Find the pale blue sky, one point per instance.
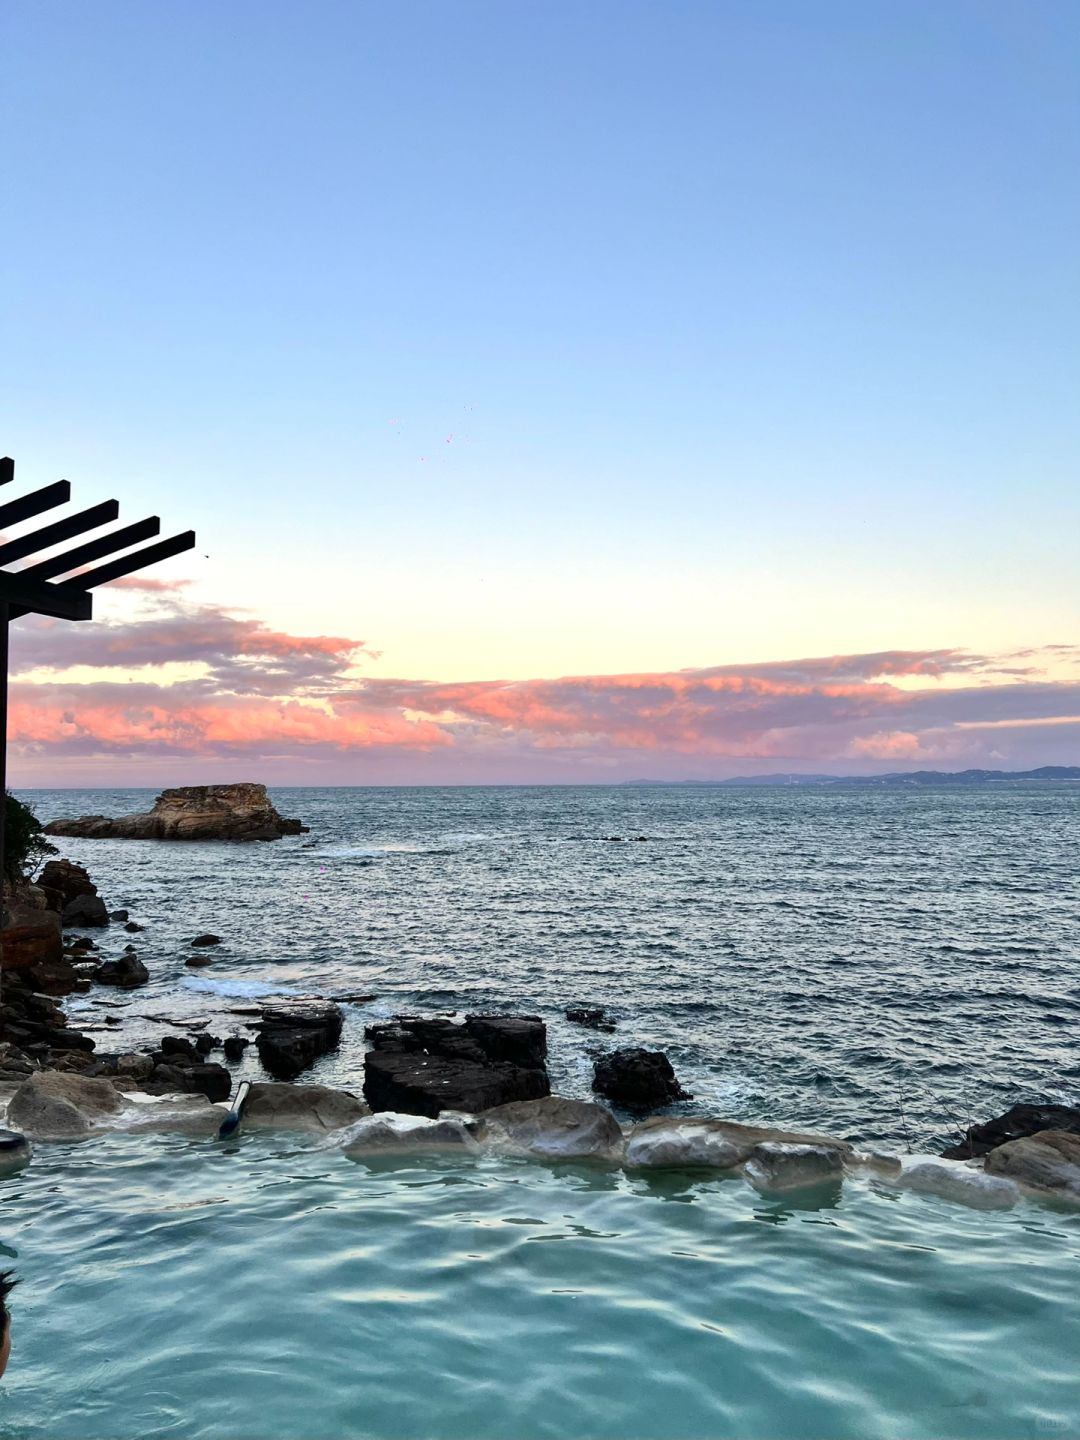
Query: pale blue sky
<point x="754" y="324"/>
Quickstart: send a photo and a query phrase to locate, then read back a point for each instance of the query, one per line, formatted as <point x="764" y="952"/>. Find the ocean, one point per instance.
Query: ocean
<point x="884" y="964"/>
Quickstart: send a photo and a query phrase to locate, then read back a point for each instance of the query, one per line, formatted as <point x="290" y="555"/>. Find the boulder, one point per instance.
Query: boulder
<point x="127" y="972"/>
<point x="199" y="960"/>
<point x="118" y="915"/>
<point x="193" y="812"/>
<point x="133" y="1066"/>
<point x="954" y="1180"/>
<point x="293" y="1035"/>
<point x="595" y="1017"/>
<point x="424" y="1066"/>
<point x="189" y="1114"/>
<point x="173" y="1045"/>
<point x="234" y="1046"/>
<point x="213" y="1081"/>
<point x="680" y="1146"/>
<point x="637" y="1079"/>
<point x="554" y="1129"/>
<point x="55" y="977"/>
<point x="206" y="939"/>
<point x="133" y="927"/>
<point x="32" y="937"/>
<point x="54" y="1105"/>
<point x="394" y="1133"/>
<point x="64" y="881"/>
<point x="781" y="1165"/>
<point x="301" y="1107"/>
<point x="1016" y="1122"/>
<point x="1048" y="1160"/>
<point x="671" y="1141"/>
<point x="86" y="911"/>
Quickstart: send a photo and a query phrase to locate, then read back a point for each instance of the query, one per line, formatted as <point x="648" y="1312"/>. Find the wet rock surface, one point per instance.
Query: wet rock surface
<point x="422" y="1066"/>
<point x="302" y="1107"/>
<point x="637" y="1079"/>
<point x="1048" y="1160"/>
<point x="127" y="972"/>
<point x="1015" y="1123"/>
<point x="593" y="1017"/>
<point x="554" y="1128"/>
<point x="195" y="812"/>
<point x="293" y="1034"/>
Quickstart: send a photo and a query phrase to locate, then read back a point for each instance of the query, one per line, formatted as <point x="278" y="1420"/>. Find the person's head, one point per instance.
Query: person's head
<point x="7" y="1284"/>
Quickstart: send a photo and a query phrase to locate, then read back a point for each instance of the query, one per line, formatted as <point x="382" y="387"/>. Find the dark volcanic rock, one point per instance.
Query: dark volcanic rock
<point x="234" y="1047"/>
<point x="424" y="1066"/>
<point x="207" y="939"/>
<point x="1016" y="1123"/>
<point x="519" y="1039"/>
<point x="127" y="972"/>
<point x="213" y="1081"/>
<point x="637" y="1079"/>
<point x="133" y="927"/>
<point x="172" y="1045"/>
<point x="85" y="911"/>
<point x="192" y="812"/>
<point x="199" y="960"/>
<point x="594" y="1016"/>
<point x="119" y="915"/>
<point x="293" y="1034"/>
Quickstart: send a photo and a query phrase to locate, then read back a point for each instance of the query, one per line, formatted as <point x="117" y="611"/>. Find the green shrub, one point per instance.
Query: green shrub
<point x="25" y="845"/>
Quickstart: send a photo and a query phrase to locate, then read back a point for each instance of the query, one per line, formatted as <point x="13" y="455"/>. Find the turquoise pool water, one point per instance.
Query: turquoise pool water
<point x="273" y="1289"/>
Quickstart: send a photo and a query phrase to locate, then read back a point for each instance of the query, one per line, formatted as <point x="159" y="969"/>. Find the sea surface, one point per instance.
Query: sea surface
<point x="884" y="964"/>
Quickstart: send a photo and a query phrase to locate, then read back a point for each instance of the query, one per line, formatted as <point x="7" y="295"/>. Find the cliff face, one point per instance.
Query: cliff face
<point x="191" y="812"/>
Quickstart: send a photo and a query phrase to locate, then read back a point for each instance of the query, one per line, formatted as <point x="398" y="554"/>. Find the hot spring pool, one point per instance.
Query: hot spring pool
<point x="270" y="1289"/>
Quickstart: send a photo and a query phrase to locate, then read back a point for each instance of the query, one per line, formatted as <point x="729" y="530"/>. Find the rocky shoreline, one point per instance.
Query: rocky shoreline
<point x="430" y="1083"/>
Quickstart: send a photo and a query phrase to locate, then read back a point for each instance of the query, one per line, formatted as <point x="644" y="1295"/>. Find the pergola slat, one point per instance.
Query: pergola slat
<point x="59" y="530"/>
<point x="95" y="549"/>
<point x="34" y="503"/>
<point x="7" y="470"/>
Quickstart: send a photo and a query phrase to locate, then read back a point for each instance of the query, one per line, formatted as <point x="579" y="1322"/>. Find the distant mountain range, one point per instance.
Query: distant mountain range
<point x="896" y="777"/>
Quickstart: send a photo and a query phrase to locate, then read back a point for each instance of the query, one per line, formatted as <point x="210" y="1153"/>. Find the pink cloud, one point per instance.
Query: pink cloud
<point x="272" y="696"/>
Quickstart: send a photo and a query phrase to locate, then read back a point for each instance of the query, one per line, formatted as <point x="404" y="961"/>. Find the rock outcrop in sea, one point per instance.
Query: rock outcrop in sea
<point x="423" y="1067"/>
<point x="241" y="811"/>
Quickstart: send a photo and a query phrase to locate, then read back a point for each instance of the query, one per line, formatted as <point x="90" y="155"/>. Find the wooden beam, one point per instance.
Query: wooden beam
<point x="127" y="564"/>
<point x="94" y="550"/>
<point x="35" y="503"/>
<point x="24" y="596"/>
<point x="7" y="470"/>
<point x="59" y="530"/>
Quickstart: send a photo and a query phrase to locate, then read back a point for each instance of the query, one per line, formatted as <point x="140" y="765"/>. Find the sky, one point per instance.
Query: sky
<point x="560" y="392"/>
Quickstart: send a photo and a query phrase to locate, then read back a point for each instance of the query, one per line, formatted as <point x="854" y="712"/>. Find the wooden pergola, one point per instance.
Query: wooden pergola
<point x="40" y="587"/>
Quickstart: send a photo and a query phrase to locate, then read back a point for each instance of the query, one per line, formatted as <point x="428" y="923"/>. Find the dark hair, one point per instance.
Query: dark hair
<point x="7" y="1284"/>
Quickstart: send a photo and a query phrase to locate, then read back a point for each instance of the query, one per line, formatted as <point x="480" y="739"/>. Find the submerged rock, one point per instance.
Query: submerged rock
<point x="673" y="1141"/>
<point x="953" y="1180"/>
<point x="424" y="1066"/>
<point x="128" y="972"/>
<point x="637" y="1079"/>
<point x="206" y="939"/>
<point x="394" y="1132"/>
<point x="1016" y="1122"/>
<point x="595" y="1017"/>
<point x="782" y="1165"/>
<point x="192" y="812"/>
<point x="1048" y="1160"/>
<point x="302" y="1107"/>
<point x="554" y="1129"/>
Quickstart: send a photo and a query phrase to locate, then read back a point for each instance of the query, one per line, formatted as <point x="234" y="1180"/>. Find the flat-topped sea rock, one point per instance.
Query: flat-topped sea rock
<point x="723" y="1144"/>
<point x="554" y="1128"/>
<point x="191" y="812"/>
<point x="421" y="1066"/>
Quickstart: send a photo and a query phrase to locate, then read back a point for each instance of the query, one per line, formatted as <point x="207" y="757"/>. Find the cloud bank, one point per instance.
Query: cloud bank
<point x="183" y="689"/>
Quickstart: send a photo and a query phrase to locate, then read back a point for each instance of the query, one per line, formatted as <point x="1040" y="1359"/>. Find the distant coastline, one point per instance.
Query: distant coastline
<point x="893" y="777"/>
